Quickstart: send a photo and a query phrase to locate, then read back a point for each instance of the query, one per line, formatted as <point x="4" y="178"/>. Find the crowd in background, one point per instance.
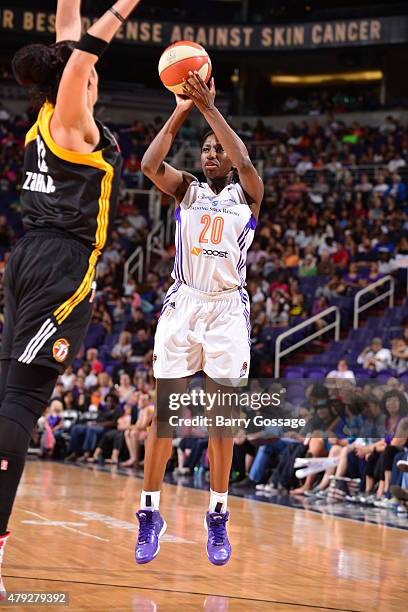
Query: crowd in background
<point x="335" y="211"/>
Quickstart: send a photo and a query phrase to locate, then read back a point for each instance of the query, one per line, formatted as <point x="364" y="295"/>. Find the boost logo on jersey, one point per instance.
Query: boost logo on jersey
<point x="209" y="252"/>
<point x="60" y="350"/>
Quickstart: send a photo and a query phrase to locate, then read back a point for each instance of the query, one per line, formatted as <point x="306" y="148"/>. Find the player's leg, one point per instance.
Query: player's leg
<point x="177" y="355"/>
<point x="158" y="451"/>
<point x="27" y="393"/>
<point x="220" y="453"/>
<point x="226" y="359"/>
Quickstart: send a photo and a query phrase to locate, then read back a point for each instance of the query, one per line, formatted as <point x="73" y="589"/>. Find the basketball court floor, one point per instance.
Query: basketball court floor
<point x="74" y="530"/>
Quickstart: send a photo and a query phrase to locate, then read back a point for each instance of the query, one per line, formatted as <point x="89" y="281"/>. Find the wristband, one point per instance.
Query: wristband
<point x="92" y="44"/>
<point x="117" y="15"/>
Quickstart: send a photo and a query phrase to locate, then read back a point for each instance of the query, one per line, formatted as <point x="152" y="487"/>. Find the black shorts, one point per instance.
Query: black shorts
<point x="48" y="291"/>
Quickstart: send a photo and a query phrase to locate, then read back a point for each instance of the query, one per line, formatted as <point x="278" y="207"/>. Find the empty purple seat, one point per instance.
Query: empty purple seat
<point x="316" y="373"/>
<point x="292" y="372"/>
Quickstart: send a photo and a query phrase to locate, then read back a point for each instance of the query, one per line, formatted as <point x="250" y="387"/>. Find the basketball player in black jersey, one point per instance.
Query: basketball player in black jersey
<point x="70" y="182"/>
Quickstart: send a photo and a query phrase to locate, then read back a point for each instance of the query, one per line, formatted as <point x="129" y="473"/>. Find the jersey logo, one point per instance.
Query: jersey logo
<point x="209" y="252"/>
<point x="40" y="181"/>
<point x="60" y="350"/>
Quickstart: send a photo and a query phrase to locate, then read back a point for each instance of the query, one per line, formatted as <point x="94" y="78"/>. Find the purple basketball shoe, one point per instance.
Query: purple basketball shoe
<point x="218" y="546"/>
<point x="151" y="527"/>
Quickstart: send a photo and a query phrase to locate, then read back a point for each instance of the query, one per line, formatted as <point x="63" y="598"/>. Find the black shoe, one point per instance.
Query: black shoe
<point x="245" y="482"/>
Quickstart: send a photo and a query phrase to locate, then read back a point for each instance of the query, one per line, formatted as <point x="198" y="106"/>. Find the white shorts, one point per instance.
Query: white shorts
<point x="203" y="331"/>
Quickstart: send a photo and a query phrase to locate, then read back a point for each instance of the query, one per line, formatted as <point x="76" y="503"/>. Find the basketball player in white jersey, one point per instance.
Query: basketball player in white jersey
<point x="204" y="323"/>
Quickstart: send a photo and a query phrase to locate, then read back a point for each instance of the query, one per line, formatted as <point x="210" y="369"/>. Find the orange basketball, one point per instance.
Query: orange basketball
<point x="177" y="61"/>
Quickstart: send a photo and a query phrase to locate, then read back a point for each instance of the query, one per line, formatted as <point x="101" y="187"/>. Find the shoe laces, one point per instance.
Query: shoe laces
<point x="217" y="527"/>
<point x="146" y="526"/>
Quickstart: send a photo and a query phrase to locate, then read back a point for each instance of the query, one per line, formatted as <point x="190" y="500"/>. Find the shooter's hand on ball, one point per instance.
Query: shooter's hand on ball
<point x="184" y="103"/>
<point x="202" y="96"/>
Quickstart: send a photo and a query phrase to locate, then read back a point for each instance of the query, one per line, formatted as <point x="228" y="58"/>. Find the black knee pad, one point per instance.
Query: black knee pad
<point x="28" y="390"/>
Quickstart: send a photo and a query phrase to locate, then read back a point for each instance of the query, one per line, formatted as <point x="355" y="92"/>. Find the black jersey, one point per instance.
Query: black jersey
<point x="69" y="191"/>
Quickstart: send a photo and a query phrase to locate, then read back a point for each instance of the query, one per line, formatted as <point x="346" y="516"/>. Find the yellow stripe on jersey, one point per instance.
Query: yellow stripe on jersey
<point x="31" y="134"/>
<point x="95" y="160"/>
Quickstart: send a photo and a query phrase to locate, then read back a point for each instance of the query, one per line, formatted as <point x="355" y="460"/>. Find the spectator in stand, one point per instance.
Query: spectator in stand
<point x="380" y="455"/>
<point x="325" y="267"/>
<point x="123" y="367"/>
<point x="68" y="379"/>
<point x="143" y="345"/>
<point x="53" y="427"/>
<point x="375" y="357"/>
<point x="308" y="266"/>
<point x="104" y="384"/>
<point x="342" y="372"/>
<point x="70" y="403"/>
<point x="123" y="348"/>
<point x="374" y="273"/>
<point x="92" y="359"/>
<point x="305" y="165"/>
<point x="137" y="433"/>
<point x="397" y="189"/>
<point x="125" y="388"/>
<point x="85" y="436"/>
<point x="352" y="278"/>
<point x="334" y="288"/>
<point x="399" y="352"/>
<point x="136" y="321"/>
<point x="113" y="440"/>
<point x="96" y="332"/>
<point x="327" y="244"/>
<point x="396" y="163"/>
<point x="291" y="256"/>
<point x="132" y="172"/>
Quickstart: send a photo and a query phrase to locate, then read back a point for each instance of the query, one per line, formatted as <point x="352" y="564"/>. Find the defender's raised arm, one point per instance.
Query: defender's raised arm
<point x="68" y="20"/>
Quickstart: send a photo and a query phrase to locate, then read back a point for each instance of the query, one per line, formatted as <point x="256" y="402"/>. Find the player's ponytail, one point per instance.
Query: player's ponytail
<point x="40" y="68"/>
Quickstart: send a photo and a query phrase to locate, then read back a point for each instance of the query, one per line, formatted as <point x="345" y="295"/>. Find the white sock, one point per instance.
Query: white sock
<point x="218" y="502"/>
<point x="150" y="500"/>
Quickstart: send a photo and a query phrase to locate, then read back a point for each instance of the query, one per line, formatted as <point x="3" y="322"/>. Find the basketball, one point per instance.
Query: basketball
<point x="178" y="60"/>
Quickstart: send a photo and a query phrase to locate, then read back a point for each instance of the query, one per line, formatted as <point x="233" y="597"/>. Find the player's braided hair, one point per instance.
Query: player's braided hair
<point x="235" y="175"/>
<point x="40" y="68"/>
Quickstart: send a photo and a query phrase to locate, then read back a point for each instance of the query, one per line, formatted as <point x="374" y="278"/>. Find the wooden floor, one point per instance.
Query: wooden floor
<point x="74" y="530"/>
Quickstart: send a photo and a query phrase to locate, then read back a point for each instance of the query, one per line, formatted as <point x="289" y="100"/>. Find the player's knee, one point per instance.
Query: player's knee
<point x="21" y="410"/>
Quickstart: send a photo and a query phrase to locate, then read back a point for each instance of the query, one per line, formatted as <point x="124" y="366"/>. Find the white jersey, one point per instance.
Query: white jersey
<point x="213" y="235"/>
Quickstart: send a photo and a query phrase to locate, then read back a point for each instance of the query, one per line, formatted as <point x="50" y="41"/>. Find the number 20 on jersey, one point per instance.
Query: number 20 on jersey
<point x="212" y="230"/>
